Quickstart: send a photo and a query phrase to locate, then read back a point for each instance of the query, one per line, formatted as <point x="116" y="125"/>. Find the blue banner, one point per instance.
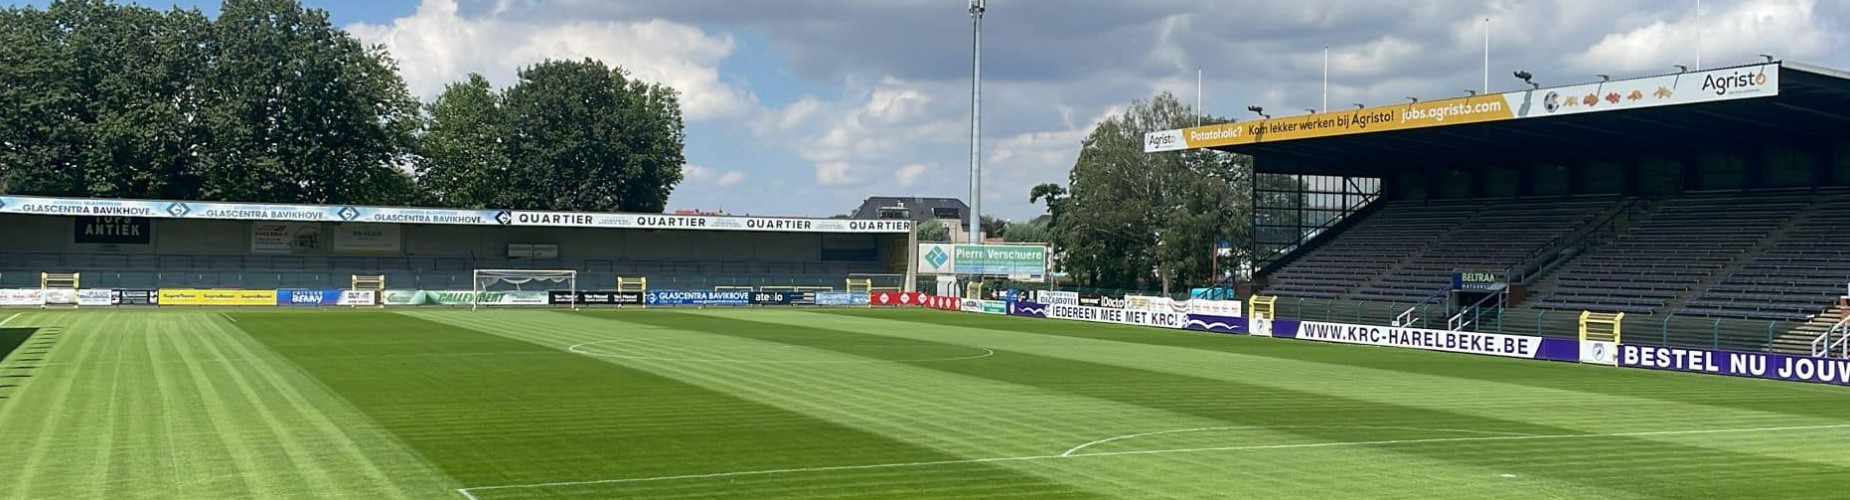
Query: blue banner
<point x="697" y="298"/>
<point x="1029" y="309"/>
<point x="1737" y="364"/>
<point x="299" y="297"/>
<point x="842" y="298"/>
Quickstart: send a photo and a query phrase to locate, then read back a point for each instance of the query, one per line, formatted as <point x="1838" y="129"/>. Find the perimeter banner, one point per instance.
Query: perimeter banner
<point x="22" y="297"/>
<point x="697" y="298"/>
<point x="1117" y="316"/>
<point x="1737" y="364"/>
<point x="1759" y="80"/>
<point x="191" y="297"/>
<point x="463" y="298"/>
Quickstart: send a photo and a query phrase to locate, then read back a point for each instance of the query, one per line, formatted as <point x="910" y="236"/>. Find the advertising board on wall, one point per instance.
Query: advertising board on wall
<point x="1021" y="262"/>
<point x="1491" y="344"/>
<point x="106" y="230"/>
<point x="1057" y="297"/>
<point x="60" y="296"/>
<point x="285" y="237"/>
<point x="300" y="297"/>
<point x="96" y="297"/>
<point x="463" y="298"/>
<point x="842" y="298"/>
<point x="367" y="238"/>
<point x="1225" y="308"/>
<point x="138" y="297"/>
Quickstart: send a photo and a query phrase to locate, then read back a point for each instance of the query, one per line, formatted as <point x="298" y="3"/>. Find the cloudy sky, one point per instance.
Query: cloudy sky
<point x="804" y="107"/>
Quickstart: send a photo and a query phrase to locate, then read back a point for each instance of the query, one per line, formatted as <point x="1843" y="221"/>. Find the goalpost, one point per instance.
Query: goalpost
<point x="58" y="288"/>
<point x="370" y="283"/>
<point x="516" y="287"/>
<point x="1599" y="337"/>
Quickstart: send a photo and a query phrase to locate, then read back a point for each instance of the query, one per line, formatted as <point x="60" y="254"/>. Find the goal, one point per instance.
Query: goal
<point x="58" y="289"/>
<point x="521" y="287"/>
<point x="1600" y="336"/>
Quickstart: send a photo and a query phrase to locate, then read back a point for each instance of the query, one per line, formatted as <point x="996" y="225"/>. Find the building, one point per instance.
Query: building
<point x="915" y="209"/>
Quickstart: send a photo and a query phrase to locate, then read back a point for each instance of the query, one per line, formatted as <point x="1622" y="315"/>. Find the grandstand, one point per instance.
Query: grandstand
<point x="1726" y="234"/>
<point x="313" y="247"/>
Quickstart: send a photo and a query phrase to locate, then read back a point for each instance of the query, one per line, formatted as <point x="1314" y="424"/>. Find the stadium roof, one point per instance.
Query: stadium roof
<point x="1744" y="106"/>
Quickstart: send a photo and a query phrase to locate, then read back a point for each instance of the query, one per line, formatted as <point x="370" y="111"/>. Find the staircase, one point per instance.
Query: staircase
<point x="1741" y="261"/>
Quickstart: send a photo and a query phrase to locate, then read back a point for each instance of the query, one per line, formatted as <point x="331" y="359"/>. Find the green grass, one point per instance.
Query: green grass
<point x="855" y="403"/>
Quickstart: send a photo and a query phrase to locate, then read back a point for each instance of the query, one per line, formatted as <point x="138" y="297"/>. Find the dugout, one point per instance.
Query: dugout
<point x="175" y="244"/>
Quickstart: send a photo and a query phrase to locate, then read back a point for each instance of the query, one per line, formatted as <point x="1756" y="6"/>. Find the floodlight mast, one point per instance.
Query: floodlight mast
<point x="976" y="120"/>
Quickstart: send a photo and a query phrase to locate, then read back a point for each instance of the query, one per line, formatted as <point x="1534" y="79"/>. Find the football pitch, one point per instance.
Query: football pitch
<point x="854" y="403"/>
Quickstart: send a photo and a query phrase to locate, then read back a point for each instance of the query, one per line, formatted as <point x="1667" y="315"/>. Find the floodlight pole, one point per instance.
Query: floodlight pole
<point x="976" y="121"/>
<point x="1698" y="35"/>
<point x="1486" y="56"/>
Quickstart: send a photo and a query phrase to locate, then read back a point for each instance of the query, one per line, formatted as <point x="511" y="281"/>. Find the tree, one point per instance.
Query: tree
<point x="993" y="227"/>
<point x="1139" y="220"/>
<point x="102" y="100"/>
<point x="463" y="152"/>
<point x="300" y="111"/>
<point x="934" y="231"/>
<point x="1033" y="231"/>
<point x="583" y="136"/>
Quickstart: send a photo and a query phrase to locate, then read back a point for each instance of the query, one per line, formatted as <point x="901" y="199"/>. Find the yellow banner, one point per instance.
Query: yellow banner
<point x="1455" y="111"/>
<point x="188" y="297"/>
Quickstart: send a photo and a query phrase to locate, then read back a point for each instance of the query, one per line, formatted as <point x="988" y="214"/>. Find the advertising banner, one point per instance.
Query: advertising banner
<point x="773" y="298"/>
<point x="1223" y="308"/>
<point x="22" y="297"/>
<point x="708" y="222"/>
<point x="1759" y="80"/>
<point x="841" y="298"/>
<point x="464" y="298"/>
<point x="1023" y="262"/>
<point x="138" y="297"/>
<point x="1489" y="344"/>
<point x="358" y="298"/>
<point x="285" y="237"/>
<point x="1599" y="352"/>
<point x="943" y="303"/>
<point x="697" y="298"/>
<point x="304" y="297"/>
<point x="970" y="305"/>
<point x="996" y="306"/>
<point x="1737" y="364"/>
<point x="191" y="297"/>
<point x="1029" y="309"/>
<point x="609" y="298"/>
<point x="1057" y="297"/>
<point x="113" y="230"/>
<point x="1117" y="316"/>
<point x="96" y="297"/>
<point x="367" y="238"/>
<point x="167" y="209"/>
<point x="1155" y="304"/>
<point x="61" y="296"/>
<point x="297" y="297"/>
<point x="1217" y="324"/>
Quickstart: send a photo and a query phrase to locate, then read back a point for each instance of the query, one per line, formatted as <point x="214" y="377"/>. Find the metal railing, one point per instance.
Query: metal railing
<point x="1837" y="340"/>
<point x="1408" y="317"/>
<point x="1470" y="315"/>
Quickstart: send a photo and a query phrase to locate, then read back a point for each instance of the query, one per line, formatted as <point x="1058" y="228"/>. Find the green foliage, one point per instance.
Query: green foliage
<point x="588" y="138"/>
<point x="934" y="231"/>
<point x="464" y="154"/>
<point x="1138" y="220"/>
<point x="1035" y="231"/>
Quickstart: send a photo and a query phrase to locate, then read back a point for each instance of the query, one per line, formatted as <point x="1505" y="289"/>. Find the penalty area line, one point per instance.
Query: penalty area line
<point x="469" y="493"/>
<point x="9" y="319"/>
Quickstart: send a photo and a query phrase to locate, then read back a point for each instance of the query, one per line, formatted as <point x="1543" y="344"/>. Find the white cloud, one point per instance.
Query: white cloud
<point x="704" y="175"/>
<point x="833" y="173"/>
<point x="1735" y="34"/>
<point x="437" y="45"/>
<point x="911" y="173"/>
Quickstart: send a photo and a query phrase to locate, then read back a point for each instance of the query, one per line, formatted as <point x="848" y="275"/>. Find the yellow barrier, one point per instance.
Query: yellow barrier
<point x="1264" y="307"/>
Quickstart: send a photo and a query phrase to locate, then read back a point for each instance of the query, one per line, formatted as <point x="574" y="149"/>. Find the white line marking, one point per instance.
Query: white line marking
<point x="467" y="491"/>
<point x="1076" y="449"/>
<point x="9" y="319"/>
<point x="228" y="317"/>
<point x="578" y="348"/>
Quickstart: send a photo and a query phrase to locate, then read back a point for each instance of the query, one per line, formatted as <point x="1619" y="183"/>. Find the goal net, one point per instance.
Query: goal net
<point x="521" y="287"/>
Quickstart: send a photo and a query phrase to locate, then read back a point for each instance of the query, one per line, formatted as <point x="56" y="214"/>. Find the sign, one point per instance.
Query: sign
<point x="96" y="297"/>
<point x="1057" y="297"/>
<point x="367" y="238"/>
<point x="358" y="298"/>
<point x="464" y="298"/>
<point x="1753" y="81"/>
<point x="191" y="297"/>
<point x="1222" y="308"/>
<point x="705" y="222"/>
<point x="1029" y="309"/>
<point x="970" y="305"/>
<point x="1492" y="344"/>
<point x="1599" y="352"/>
<point x="842" y="298"/>
<point x="1478" y="281"/>
<point x="1154" y="304"/>
<point x="1737" y="364"/>
<point x="897" y="299"/>
<point x="168" y="209"/>
<point x="113" y="230"/>
<point x="1027" y="262"/>
<point x="697" y="298"/>
<point x="22" y="297"/>
<point x="609" y="298"/>
<point x="138" y="297"/>
<point x="996" y="306"/>
<point x="284" y="237"/>
<point x="1117" y="316"/>
<point x="61" y="296"/>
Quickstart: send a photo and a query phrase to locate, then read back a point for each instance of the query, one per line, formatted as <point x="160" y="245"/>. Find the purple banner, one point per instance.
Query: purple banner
<point x="1737" y="364"/>
<point x="1490" y="344"/>
<point x="1216" y="324"/>
<point x="1029" y="309"/>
